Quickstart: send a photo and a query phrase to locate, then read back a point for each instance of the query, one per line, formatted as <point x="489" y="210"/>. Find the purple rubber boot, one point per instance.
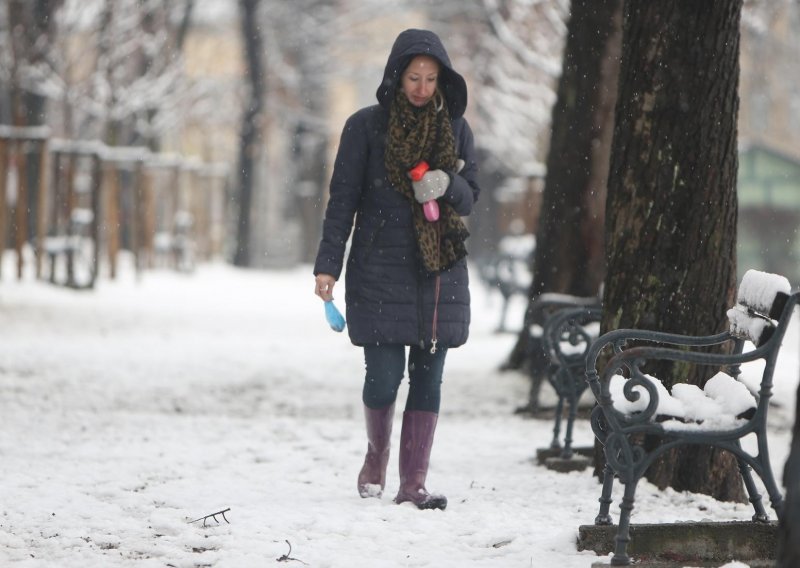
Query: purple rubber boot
<point x="416" y="440"/>
<point x="372" y="477"/>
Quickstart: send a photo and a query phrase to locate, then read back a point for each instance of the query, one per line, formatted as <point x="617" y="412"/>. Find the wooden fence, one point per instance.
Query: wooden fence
<point x="92" y="202"/>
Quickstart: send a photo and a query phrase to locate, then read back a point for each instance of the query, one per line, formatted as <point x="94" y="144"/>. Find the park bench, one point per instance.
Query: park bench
<point x="540" y="363"/>
<point x="76" y="248"/>
<point x="176" y="248"/>
<point x="632" y="404"/>
<point x="507" y="271"/>
<point x="567" y="336"/>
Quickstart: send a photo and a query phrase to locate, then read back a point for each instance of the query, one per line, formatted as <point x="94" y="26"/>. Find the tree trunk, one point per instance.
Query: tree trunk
<point x="33" y="31"/>
<point x="671" y="210"/>
<point x="250" y="139"/>
<point x="185" y="24"/>
<point x="569" y="241"/>
<point x="789" y="526"/>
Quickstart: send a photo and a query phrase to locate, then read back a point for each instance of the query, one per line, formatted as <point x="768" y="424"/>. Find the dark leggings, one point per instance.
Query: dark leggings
<point x="385" y="367"/>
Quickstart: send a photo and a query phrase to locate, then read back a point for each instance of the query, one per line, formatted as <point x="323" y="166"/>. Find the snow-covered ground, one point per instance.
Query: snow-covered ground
<point x="131" y="410"/>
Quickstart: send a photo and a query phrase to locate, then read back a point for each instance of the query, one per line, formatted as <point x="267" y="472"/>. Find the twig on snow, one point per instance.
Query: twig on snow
<point x="286" y="557"/>
<point x="213" y="516"/>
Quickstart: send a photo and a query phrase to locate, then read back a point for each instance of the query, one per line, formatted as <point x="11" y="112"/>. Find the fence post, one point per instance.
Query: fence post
<point x="3" y="203"/>
<point x="41" y="207"/>
<point x="21" y="205"/>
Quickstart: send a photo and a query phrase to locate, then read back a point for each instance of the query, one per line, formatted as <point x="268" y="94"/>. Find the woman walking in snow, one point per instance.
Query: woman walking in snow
<point x="406" y="277"/>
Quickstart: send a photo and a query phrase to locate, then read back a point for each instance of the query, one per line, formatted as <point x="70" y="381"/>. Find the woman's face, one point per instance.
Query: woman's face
<point x="419" y="80"/>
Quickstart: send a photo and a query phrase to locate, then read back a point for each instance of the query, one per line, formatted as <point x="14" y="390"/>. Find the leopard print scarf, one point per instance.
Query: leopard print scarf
<point x="417" y="134"/>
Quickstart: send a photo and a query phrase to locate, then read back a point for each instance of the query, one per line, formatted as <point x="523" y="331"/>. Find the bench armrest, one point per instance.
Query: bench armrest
<point x="634" y="358"/>
<point x="568" y="326"/>
<point x="617" y="340"/>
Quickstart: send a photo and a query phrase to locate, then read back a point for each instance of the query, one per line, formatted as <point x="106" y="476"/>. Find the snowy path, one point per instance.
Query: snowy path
<point x="130" y="410"/>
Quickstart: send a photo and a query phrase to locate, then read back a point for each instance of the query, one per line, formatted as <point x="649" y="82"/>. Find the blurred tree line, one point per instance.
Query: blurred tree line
<point x="122" y="72"/>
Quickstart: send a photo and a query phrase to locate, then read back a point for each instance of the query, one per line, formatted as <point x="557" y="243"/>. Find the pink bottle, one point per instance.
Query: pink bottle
<point x="430" y="208"/>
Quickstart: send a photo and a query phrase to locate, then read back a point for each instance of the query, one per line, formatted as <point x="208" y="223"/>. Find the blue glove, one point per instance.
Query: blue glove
<point x="334" y="316"/>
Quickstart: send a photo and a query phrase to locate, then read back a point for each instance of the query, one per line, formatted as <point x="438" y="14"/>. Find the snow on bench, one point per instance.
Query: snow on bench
<point x="759" y="290"/>
<point x="724" y="403"/>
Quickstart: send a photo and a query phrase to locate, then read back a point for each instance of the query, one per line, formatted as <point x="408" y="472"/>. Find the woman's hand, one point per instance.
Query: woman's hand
<point x="432" y="185"/>
<point x="324" y="286"/>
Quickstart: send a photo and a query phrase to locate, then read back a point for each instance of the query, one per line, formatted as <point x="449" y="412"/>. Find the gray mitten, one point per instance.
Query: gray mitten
<point x="432" y="185"/>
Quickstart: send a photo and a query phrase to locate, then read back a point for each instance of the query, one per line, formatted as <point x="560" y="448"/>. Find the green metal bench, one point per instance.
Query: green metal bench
<point x="632" y="404"/>
<point x="568" y="335"/>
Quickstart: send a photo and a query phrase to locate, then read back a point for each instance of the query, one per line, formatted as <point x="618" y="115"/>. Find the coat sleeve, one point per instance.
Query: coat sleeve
<point x="463" y="191"/>
<point x="345" y="194"/>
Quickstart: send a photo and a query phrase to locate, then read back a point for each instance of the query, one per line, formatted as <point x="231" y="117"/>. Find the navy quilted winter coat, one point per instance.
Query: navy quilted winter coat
<point x="389" y="297"/>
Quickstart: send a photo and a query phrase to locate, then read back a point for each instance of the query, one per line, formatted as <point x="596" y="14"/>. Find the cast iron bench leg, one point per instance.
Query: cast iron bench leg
<point x="574" y="392"/>
<point x="623" y="537"/>
<point x="755" y="497"/>
<point x="767" y="476"/>
<point x="556" y="443"/>
<point x="603" y="516"/>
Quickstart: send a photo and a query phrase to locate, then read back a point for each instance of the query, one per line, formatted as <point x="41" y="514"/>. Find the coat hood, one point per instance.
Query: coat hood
<point x="409" y="44"/>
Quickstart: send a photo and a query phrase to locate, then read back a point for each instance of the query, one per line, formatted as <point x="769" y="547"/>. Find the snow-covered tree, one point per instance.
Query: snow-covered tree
<point x="570" y="254"/>
<point x="516" y="69"/>
<point x="113" y="70"/>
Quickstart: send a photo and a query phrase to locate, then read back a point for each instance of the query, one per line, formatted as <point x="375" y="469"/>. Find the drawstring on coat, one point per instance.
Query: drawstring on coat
<point x="436" y="297"/>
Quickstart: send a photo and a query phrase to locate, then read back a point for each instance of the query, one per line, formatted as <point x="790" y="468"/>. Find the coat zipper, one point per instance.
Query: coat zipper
<point x="420" y="312"/>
